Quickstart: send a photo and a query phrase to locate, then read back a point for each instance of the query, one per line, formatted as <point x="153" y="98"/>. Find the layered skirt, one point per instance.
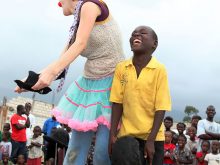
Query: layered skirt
<point x="85" y="104"/>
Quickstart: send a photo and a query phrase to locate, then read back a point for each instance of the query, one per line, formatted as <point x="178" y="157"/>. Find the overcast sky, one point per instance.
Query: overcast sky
<point x="33" y="34"/>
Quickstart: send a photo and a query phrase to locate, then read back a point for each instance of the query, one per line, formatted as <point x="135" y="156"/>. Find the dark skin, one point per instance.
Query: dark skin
<point x="192" y="134"/>
<point x="143" y="43"/>
<point x="210" y="117"/>
<point x="27" y="108"/>
<point x="205" y="147"/>
<point x="6" y="127"/>
<point x="181" y="144"/>
<point x="37" y="132"/>
<point x="20" y="112"/>
<point x="5" y="158"/>
<point x="181" y="128"/>
<point x="168" y="124"/>
<point x="215" y="147"/>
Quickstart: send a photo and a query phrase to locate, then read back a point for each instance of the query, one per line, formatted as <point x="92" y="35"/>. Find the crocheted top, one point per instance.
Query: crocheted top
<point x="104" y="48"/>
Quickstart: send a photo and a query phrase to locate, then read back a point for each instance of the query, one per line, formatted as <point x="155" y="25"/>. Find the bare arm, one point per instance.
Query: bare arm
<point x="117" y="110"/>
<point x="89" y="13"/>
<point x="19" y="126"/>
<point x="149" y="147"/>
<point x="215" y="136"/>
<point x="205" y="137"/>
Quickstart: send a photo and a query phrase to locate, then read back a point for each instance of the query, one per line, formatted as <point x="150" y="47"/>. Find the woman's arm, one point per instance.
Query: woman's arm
<point x="89" y="13"/>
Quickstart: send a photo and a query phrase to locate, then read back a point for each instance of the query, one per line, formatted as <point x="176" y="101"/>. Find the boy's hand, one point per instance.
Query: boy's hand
<point x="112" y="140"/>
<point x="149" y="151"/>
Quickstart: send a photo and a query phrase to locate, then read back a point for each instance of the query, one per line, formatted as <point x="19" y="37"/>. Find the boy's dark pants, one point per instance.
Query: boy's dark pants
<point x="158" y="155"/>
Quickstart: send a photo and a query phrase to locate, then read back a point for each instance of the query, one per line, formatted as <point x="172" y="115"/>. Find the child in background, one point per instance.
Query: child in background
<point x="5" y="145"/>
<point x="192" y="142"/>
<point x="182" y="155"/>
<point x="6" y="128"/>
<point x="34" y="146"/>
<point x="21" y="160"/>
<point x="168" y="148"/>
<point x="5" y="159"/>
<point x="181" y="127"/>
<point x="213" y="158"/>
<point x="175" y="140"/>
<point x="200" y="156"/>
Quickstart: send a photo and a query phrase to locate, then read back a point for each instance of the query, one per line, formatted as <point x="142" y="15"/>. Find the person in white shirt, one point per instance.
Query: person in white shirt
<point x="5" y="145"/>
<point x="213" y="158"/>
<point x="29" y="131"/>
<point x="208" y="129"/>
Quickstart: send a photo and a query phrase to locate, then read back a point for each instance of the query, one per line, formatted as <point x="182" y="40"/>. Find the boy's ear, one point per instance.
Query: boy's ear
<point x="155" y="45"/>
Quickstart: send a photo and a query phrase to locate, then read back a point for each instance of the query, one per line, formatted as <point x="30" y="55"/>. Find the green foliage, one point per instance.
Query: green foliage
<point x="187" y="119"/>
<point x="189" y="111"/>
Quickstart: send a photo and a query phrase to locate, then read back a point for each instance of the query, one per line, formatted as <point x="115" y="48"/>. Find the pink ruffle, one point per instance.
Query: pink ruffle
<point x="88" y="125"/>
<point x="55" y="112"/>
<point x="80" y="126"/>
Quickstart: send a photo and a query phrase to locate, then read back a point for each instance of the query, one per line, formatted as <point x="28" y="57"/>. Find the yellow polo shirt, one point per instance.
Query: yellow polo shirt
<point x="141" y="97"/>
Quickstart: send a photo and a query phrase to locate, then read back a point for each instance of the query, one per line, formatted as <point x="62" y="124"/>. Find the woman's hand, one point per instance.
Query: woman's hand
<point x="18" y="89"/>
<point x="45" y="79"/>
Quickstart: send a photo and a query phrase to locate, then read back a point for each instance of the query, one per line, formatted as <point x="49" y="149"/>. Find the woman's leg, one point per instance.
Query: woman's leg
<point x="101" y="156"/>
<point x="78" y="148"/>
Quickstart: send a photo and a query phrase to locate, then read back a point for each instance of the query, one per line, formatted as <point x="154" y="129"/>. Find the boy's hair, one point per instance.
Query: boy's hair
<point x="206" y="141"/>
<point x="126" y="152"/>
<point x="19" y="108"/>
<point x="37" y="127"/>
<point x="180" y="123"/>
<point x="197" y="117"/>
<point x="182" y="135"/>
<point x="169" y="118"/>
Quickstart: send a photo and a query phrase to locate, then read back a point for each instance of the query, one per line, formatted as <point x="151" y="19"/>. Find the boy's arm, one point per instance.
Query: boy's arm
<point x="27" y="124"/>
<point x="149" y="146"/>
<point x="214" y="136"/>
<point x="117" y="110"/>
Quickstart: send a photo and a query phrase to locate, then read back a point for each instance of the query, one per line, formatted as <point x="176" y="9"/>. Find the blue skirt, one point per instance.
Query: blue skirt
<point x="85" y="104"/>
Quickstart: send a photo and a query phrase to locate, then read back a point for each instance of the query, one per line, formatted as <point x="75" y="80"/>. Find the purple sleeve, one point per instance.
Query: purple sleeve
<point x="103" y="7"/>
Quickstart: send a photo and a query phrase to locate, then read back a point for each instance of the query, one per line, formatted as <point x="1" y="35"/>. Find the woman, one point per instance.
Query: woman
<point x="85" y="107"/>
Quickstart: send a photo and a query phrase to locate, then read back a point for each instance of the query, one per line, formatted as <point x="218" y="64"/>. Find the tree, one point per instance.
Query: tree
<point x="189" y="111"/>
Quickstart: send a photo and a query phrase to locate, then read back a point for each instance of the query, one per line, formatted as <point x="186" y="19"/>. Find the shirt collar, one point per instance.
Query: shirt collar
<point x="152" y="64"/>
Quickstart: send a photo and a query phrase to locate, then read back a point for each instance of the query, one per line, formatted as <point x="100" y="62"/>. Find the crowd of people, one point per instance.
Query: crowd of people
<point x="197" y="144"/>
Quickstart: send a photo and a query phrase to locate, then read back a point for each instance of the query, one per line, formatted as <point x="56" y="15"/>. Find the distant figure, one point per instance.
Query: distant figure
<point x="200" y="156"/>
<point x="194" y="121"/>
<point x="208" y="129"/>
<point x="32" y="119"/>
<point x="168" y="123"/>
<point x="34" y="145"/>
<point x="5" y="145"/>
<point x="49" y="124"/>
<point x="192" y="142"/>
<point x="6" y="129"/>
<point x="21" y="160"/>
<point x="213" y="158"/>
<point x="5" y="159"/>
<point x="182" y="155"/>
<point x="181" y="127"/>
<point x="168" y="149"/>
<point x="18" y="136"/>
